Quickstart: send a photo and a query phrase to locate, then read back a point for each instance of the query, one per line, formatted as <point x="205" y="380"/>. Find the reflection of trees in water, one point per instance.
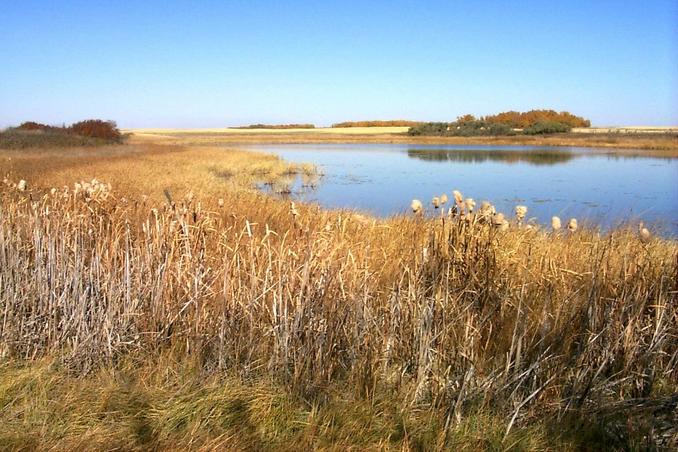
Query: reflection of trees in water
<point x="535" y="157"/>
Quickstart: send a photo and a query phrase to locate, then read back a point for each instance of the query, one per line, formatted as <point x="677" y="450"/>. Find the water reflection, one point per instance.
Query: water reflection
<point x="533" y="157"/>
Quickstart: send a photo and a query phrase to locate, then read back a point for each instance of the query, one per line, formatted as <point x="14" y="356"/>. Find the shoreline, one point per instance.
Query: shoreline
<point x="660" y="145"/>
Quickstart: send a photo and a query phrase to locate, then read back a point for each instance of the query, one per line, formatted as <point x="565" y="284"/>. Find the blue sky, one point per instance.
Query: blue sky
<point x="212" y="64"/>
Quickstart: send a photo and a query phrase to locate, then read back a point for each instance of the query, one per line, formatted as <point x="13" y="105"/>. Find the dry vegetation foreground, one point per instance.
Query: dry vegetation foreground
<point x="178" y="308"/>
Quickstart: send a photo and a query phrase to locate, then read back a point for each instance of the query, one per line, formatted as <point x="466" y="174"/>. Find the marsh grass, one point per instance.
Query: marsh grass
<point x="442" y="319"/>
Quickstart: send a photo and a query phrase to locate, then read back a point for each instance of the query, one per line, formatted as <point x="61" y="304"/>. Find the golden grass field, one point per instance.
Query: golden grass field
<point x="234" y="131"/>
<point x="181" y="309"/>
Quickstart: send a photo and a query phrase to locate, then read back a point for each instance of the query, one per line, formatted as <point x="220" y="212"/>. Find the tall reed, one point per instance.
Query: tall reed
<point x="451" y="314"/>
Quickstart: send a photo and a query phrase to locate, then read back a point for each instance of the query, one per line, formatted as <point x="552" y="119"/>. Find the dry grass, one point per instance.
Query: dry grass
<point x="149" y="169"/>
<point x="443" y="319"/>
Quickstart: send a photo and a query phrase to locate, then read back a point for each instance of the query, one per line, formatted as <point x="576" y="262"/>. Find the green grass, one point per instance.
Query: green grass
<point x="164" y="404"/>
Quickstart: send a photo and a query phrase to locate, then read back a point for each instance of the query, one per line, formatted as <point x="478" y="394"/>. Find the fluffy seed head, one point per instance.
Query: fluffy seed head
<point x="416" y="206"/>
<point x="487" y="209"/>
<point x="470" y="204"/>
<point x="436" y="202"/>
<point x="443" y="198"/>
<point x="221" y="202"/>
<point x="572" y="225"/>
<point x="644" y="233"/>
<point x="22" y="185"/>
<point x="498" y="219"/>
<point x="521" y="211"/>
<point x="555" y="223"/>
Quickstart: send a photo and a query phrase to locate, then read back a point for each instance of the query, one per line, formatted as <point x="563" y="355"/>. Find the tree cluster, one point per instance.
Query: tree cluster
<point x="533" y="122"/>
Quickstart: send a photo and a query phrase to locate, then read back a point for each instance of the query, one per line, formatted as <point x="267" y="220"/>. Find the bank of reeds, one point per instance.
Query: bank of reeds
<point x="452" y="316"/>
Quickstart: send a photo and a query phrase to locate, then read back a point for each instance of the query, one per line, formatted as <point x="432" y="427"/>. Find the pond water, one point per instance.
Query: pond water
<point x="599" y="188"/>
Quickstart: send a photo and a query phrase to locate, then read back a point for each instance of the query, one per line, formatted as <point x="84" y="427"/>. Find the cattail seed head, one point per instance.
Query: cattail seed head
<point x="521" y="211"/>
<point x="293" y="210"/>
<point x="644" y="233"/>
<point x="443" y="199"/>
<point x="486" y="207"/>
<point x="498" y="219"/>
<point x="470" y="204"/>
<point x="416" y="206"/>
<point x="555" y="223"/>
<point x="436" y="202"/>
<point x="458" y="197"/>
<point x="220" y="202"/>
<point x="572" y="225"/>
<point x="22" y="185"/>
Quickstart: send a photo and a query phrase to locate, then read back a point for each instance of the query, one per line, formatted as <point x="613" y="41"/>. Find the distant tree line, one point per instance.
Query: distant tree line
<point x="533" y="122"/>
<point x="82" y="133"/>
<point x="277" y="126"/>
<point x="393" y="123"/>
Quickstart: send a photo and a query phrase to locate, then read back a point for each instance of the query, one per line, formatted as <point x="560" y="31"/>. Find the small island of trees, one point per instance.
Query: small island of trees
<point x="533" y="122"/>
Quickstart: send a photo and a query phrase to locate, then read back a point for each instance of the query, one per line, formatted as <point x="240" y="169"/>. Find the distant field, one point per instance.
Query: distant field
<point x="629" y="129"/>
<point x="664" y="143"/>
<point x="228" y="130"/>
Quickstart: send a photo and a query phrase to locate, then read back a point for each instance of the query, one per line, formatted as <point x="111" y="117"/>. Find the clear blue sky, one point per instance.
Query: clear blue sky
<point x="211" y="64"/>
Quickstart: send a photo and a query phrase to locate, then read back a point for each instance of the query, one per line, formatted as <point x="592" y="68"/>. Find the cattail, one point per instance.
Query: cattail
<point x="644" y="233"/>
<point x="416" y="206"/>
<point x="572" y="225"/>
<point x="53" y="191"/>
<point x="470" y="205"/>
<point x="555" y="223"/>
<point x="220" y="202"/>
<point x="293" y="210"/>
<point x="458" y="197"/>
<point x="521" y="211"/>
<point x="486" y="211"/>
<point x="499" y="222"/>
<point x="22" y="185"/>
<point x="436" y="202"/>
<point x="443" y="199"/>
<point x="498" y="219"/>
<point x="486" y="208"/>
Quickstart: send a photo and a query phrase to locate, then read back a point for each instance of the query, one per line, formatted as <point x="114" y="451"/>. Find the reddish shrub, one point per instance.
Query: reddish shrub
<point x="31" y="125"/>
<point x="96" y="128"/>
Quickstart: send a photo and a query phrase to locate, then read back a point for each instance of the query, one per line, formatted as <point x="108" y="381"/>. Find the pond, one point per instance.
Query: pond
<point x="596" y="187"/>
